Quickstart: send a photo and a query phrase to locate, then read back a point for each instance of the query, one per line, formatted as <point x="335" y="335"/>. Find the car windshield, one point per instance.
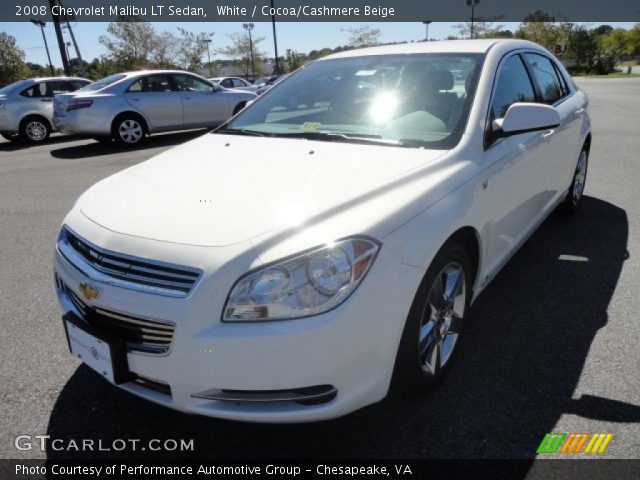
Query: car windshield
<point x="416" y="100"/>
<point x="14" y="85"/>
<point x="102" y="83"/>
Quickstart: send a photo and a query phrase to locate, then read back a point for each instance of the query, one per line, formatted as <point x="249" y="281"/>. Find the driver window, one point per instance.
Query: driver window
<point x="513" y="86"/>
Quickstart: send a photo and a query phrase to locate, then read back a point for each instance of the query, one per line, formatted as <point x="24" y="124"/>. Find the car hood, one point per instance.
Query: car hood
<point x="223" y="189"/>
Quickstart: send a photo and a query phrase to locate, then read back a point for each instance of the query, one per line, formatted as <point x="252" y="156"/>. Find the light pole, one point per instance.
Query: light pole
<point x="67" y="45"/>
<point x="473" y="4"/>
<point x="426" y="24"/>
<point x="275" y="40"/>
<point x="208" y="42"/>
<point x="41" y="24"/>
<point x="248" y="27"/>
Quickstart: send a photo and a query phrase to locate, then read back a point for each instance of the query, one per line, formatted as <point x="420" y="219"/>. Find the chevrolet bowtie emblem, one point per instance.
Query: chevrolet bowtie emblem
<point x="88" y="291"/>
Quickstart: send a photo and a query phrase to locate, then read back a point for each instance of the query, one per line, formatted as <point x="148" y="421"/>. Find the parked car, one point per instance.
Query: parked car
<point x="270" y="82"/>
<point x="128" y="106"/>
<point x="236" y="83"/>
<point x="325" y="245"/>
<point x="26" y="106"/>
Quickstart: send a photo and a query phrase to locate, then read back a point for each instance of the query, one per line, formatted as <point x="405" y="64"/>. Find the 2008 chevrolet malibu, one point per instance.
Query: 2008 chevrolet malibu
<point x="324" y="246"/>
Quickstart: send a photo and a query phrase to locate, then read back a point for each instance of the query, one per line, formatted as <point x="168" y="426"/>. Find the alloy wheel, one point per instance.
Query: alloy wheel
<point x="442" y="318"/>
<point x="36" y="131"/>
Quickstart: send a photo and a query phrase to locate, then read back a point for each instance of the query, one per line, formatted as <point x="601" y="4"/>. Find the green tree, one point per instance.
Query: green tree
<point x="363" y="36"/>
<point x="633" y="40"/>
<point x="191" y="48"/>
<point x="481" y="29"/>
<point x="293" y="61"/>
<point x="101" y="67"/>
<point x="615" y="43"/>
<point x="583" y="50"/>
<point x="130" y="43"/>
<point x="239" y="51"/>
<point x="12" y="66"/>
<point x="538" y="27"/>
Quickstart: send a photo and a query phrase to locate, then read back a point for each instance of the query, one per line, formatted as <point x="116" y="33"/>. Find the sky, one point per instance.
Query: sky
<point x="299" y="36"/>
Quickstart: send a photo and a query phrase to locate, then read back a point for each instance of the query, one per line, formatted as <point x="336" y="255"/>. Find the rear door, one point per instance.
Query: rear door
<point x="203" y="104"/>
<point x="158" y="99"/>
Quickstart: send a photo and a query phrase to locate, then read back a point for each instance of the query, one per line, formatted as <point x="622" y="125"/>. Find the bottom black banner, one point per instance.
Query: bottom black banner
<point x="321" y="469"/>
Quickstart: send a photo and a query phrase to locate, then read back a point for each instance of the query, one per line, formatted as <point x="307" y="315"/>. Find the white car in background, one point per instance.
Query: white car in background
<point x="235" y="83"/>
<point x="128" y="106"/>
<point x="325" y="245"/>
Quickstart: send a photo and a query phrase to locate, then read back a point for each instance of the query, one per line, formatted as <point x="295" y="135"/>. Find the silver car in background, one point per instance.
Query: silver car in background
<point x="127" y="106"/>
<point x="26" y="106"/>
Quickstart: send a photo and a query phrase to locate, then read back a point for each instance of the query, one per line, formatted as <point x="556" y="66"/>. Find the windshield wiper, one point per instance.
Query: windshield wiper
<point x="240" y="131"/>
<point x="339" y="137"/>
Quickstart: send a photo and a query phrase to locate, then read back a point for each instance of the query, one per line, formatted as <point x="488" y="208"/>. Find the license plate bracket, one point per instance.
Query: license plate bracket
<point x="99" y="350"/>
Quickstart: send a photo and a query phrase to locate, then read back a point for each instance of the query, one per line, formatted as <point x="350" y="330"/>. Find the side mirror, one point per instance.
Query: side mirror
<point x="524" y="118"/>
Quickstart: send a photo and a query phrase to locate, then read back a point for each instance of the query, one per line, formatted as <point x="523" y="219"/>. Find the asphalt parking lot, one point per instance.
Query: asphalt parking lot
<point x="552" y="344"/>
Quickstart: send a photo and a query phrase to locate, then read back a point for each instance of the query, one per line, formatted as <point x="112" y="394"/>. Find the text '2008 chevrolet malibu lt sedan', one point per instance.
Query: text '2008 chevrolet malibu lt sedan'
<point x="324" y="245"/>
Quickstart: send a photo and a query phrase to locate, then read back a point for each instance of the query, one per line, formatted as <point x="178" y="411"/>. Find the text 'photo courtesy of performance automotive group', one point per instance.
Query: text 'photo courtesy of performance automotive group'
<point x="320" y="239"/>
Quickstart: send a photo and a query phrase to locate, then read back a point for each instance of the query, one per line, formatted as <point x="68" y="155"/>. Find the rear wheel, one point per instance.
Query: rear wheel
<point x="574" y="195"/>
<point x="128" y="130"/>
<point x="35" y="129"/>
<point x="434" y="327"/>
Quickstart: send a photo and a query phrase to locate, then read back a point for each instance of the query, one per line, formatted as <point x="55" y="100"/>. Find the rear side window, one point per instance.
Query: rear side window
<point x="238" y="83"/>
<point x="152" y="83"/>
<point x="546" y="76"/>
<point x="227" y="83"/>
<point x="57" y="86"/>
<point x="76" y="84"/>
<point x="514" y="85"/>
<point x="36" y="91"/>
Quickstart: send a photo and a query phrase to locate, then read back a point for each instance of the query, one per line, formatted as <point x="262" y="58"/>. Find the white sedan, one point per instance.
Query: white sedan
<point x="324" y="246"/>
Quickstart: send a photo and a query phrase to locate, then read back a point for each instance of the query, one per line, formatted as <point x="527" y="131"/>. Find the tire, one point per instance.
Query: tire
<point x="434" y="327"/>
<point x="576" y="189"/>
<point x="35" y="129"/>
<point x="12" y="137"/>
<point x="128" y="130"/>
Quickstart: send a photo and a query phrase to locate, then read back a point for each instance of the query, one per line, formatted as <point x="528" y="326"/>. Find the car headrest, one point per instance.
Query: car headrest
<point x="437" y="80"/>
<point x="445" y="80"/>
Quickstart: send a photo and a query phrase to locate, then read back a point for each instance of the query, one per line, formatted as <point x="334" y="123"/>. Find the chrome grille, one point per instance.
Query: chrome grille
<point x="126" y="271"/>
<point x="140" y="334"/>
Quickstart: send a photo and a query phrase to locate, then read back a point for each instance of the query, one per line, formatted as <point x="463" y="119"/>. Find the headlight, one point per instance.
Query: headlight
<point x="307" y="284"/>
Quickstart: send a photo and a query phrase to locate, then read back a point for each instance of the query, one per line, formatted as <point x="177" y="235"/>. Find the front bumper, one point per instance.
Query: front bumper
<point x="350" y="349"/>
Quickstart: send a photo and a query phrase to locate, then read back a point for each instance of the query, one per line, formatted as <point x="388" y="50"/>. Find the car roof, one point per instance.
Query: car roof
<point x="443" y="46"/>
<point x="44" y="79"/>
<point x="151" y="72"/>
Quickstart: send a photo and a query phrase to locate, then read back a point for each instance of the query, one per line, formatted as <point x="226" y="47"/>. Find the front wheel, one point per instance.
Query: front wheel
<point x="574" y="195"/>
<point x="433" y="329"/>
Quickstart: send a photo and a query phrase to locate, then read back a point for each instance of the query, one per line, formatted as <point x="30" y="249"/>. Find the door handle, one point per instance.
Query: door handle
<point x="135" y="99"/>
<point x="579" y="111"/>
<point x="46" y="100"/>
<point x="187" y="98"/>
<point x="548" y="134"/>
